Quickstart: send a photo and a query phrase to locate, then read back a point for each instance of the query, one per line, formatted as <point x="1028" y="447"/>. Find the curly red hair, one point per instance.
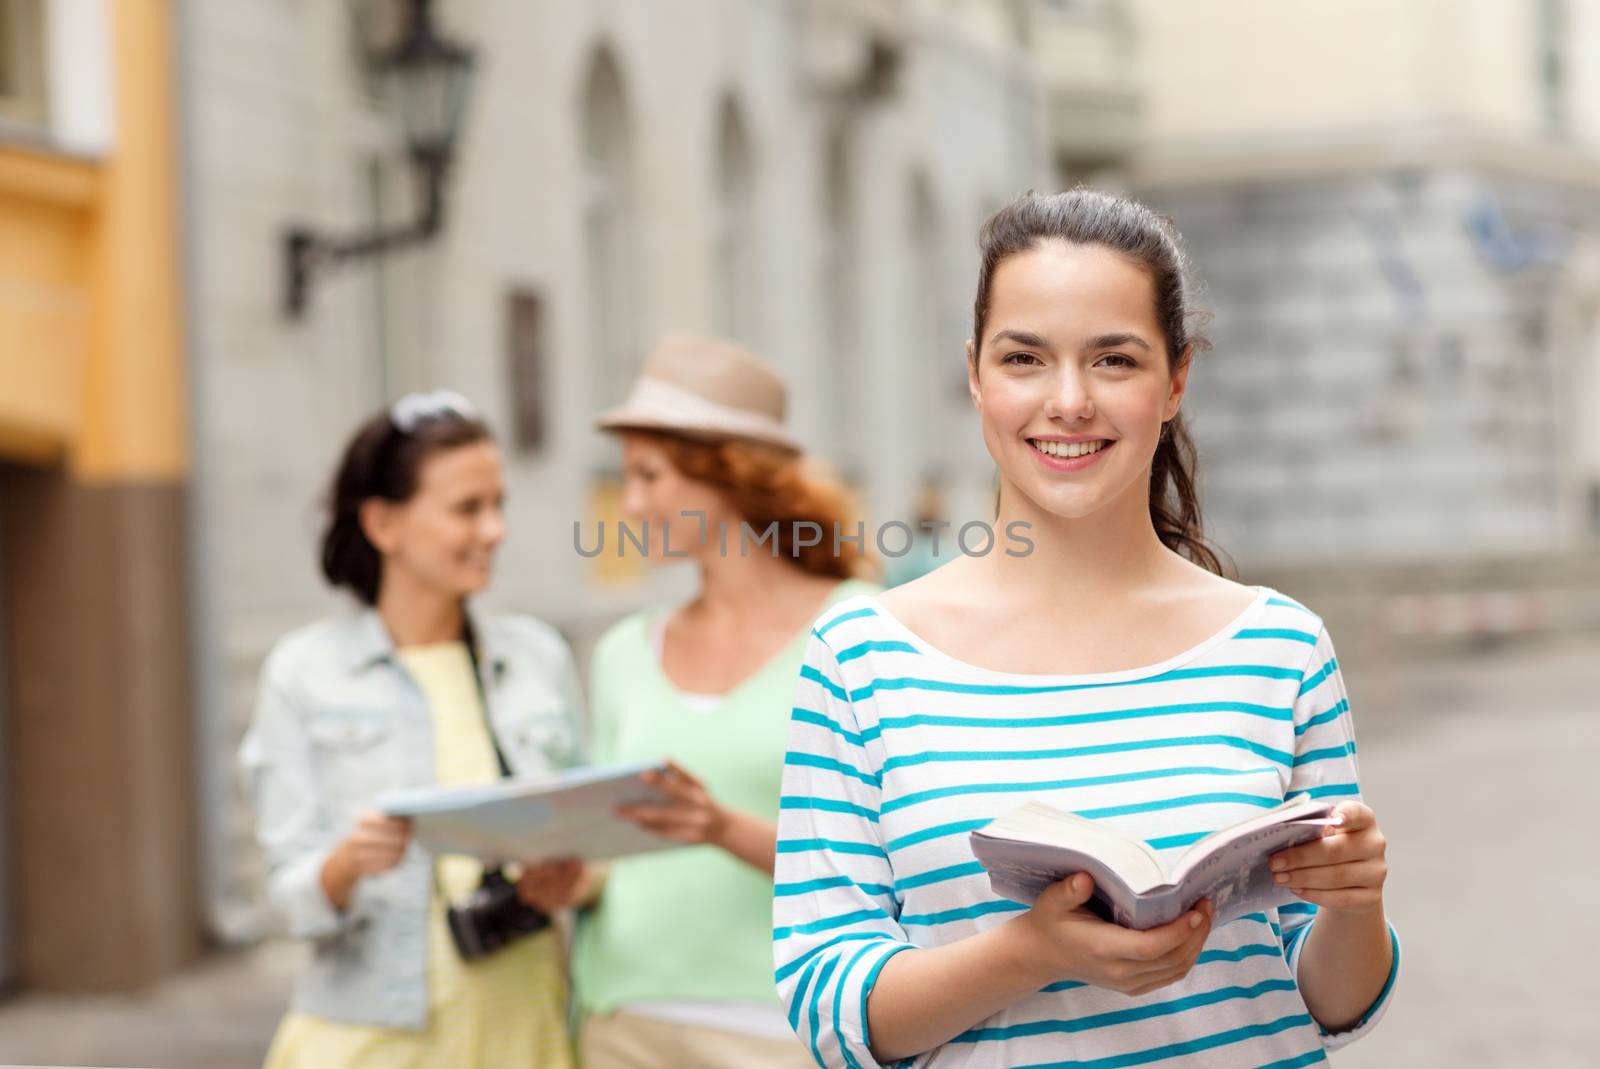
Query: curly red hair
<point x="764" y="486"/>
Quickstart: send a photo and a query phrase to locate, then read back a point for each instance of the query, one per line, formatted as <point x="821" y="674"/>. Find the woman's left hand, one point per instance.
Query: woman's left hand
<point x="690" y="815"/>
<point x="1342" y="871"/>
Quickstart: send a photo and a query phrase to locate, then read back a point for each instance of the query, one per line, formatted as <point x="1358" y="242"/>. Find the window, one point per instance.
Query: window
<point x="838" y="285"/>
<point x="22" y="63"/>
<point x="608" y="223"/>
<point x="1552" y="60"/>
<point x="936" y="364"/>
<point x="736" y="239"/>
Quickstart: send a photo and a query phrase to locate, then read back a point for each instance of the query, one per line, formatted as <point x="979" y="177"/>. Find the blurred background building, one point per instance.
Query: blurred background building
<point x="805" y="177"/>
<point x="1393" y="206"/>
<point x="1396" y="210"/>
<point x="98" y="851"/>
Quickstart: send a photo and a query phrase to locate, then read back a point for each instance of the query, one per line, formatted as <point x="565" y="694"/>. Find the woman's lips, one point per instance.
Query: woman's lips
<point x="1070" y="464"/>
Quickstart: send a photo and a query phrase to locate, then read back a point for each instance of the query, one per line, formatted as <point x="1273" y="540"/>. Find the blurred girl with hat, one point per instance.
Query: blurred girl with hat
<point x="673" y="962"/>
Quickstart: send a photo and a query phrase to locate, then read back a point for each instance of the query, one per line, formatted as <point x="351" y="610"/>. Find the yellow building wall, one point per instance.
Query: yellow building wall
<point x="46" y="208"/>
<point x="91" y="353"/>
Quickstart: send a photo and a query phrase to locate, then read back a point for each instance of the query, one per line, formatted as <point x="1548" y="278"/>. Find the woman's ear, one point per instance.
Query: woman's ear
<point x="378" y="522"/>
<point x="972" y="376"/>
<point x="1180" y="384"/>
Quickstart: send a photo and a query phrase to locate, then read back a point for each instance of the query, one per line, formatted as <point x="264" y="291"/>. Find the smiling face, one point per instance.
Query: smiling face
<point x="444" y="536"/>
<point x="654" y="491"/>
<point x="1072" y="379"/>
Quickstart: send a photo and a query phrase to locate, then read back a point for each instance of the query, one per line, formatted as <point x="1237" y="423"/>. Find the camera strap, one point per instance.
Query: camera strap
<point x="483" y="701"/>
<point x="471" y="639"/>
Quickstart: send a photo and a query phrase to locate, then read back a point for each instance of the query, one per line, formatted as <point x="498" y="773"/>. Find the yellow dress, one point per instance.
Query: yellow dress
<point x="506" y="1011"/>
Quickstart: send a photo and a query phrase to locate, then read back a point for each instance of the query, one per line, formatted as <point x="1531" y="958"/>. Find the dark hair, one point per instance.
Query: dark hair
<point x="1090" y="217"/>
<point x="385" y="462"/>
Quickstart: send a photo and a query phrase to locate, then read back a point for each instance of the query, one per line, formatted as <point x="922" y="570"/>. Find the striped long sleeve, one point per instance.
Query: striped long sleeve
<point x="834" y="906"/>
<point x="1325" y="767"/>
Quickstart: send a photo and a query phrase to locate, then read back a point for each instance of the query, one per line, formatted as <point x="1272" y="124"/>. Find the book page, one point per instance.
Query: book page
<point x="1299" y="807"/>
<point x="1038" y="823"/>
<point x="1235" y="875"/>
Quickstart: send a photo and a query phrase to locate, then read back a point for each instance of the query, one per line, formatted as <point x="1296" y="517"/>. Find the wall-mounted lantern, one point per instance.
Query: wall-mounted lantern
<point x="429" y="78"/>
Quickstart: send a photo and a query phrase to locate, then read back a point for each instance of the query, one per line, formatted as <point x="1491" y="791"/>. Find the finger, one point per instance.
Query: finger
<point x="1355" y="816"/>
<point x="1330" y="851"/>
<point x="1333" y="877"/>
<point x="1153" y="944"/>
<point x="377" y="847"/>
<point x="1072" y="891"/>
<point x="1181" y="957"/>
<point x="1156" y="979"/>
<point x="383" y="842"/>
<point x="640" y="813"/>
<point x="674" y="826"/>
<point x="678" y="772"/>
<point x="680" y="790"/>
<point x="1353" y="899"/>
<point x="659" y="824"/>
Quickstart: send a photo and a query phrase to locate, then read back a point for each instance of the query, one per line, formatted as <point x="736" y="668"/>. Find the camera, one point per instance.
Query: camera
<point x="492" y="917"/>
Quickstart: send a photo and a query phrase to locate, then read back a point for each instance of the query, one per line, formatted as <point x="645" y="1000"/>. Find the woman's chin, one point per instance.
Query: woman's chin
<point x="472" y="580"/>
<point x="1073" y="505"/>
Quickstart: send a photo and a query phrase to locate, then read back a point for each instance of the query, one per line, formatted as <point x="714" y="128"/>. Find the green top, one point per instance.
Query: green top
<point x="692" y="922"/>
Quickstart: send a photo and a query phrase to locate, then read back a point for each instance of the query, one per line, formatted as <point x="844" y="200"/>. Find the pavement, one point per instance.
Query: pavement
<point x="1478" y="759"/>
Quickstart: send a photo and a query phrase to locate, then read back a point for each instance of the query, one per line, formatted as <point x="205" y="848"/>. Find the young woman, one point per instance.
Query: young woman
<point x="674" y="963"/>
<point x="1110" y="671"/>
<point x="407" y="692"/>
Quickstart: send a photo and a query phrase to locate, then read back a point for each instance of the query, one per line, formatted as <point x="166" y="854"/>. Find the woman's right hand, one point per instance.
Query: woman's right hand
<point x="1081" y="946"/>
<point x="377" y="844"/>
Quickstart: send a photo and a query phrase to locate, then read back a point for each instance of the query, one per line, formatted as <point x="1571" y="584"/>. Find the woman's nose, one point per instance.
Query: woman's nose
<point x="1070" y="400"/>
<point x="632" y="498"/>
<point x="492" y="529"/>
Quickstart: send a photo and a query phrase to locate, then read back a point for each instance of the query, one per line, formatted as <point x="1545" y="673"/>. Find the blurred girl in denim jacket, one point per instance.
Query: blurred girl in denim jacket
<point x="409" y="691"/>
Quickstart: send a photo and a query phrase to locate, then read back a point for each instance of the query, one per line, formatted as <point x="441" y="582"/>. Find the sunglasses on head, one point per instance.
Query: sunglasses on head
<point x="415" y="409"/>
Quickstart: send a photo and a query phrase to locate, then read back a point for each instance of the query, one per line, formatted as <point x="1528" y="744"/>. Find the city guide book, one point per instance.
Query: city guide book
<point x="1037" y="844"/>
<point x="564" y="814"/>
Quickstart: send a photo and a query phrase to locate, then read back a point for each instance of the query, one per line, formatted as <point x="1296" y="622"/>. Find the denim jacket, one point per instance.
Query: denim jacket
<point x="338" y="719"/>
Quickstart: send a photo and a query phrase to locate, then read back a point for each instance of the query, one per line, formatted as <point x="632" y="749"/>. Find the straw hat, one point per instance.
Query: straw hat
<point x="709" y="389"/>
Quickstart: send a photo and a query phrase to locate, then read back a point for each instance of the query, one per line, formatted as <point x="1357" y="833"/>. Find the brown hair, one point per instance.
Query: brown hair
<point x="763" y="486"/>
<point x="382" y="461"/>
<point x="1091" y="217"/>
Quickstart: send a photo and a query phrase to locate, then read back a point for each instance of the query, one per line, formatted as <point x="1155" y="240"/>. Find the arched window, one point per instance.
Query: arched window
<point x="736" y="240"/>
<point x="839" y="287"/>
<point x="936" y="362"/>
<point x="608" y="232"/>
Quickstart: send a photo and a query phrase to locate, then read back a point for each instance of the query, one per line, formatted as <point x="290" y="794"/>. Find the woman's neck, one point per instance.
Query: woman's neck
<point x="745" y="585"/>
<point x="415" y="615"/>
<point x="1106" y="553"/>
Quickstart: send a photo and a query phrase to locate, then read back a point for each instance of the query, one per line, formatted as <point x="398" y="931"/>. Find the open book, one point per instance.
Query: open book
<point x="1036" y="845"/>
<point x="566" y="814"/>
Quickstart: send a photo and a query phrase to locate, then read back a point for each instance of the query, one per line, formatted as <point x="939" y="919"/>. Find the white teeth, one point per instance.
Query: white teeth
<point x="1069" y="449"/>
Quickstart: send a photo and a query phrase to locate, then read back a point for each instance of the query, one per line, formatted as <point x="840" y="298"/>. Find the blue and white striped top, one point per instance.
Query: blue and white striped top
<point x="897" y="751"/>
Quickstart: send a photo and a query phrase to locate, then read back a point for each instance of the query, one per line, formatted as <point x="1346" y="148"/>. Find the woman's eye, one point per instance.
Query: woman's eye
<point x="1118" y="360"/>
<point x="1021" y="358"/>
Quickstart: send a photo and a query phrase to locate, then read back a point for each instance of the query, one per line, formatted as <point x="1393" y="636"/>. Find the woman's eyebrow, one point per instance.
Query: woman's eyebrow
<point x="1112" y="341"/>
<point x="1021" y="337"/>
